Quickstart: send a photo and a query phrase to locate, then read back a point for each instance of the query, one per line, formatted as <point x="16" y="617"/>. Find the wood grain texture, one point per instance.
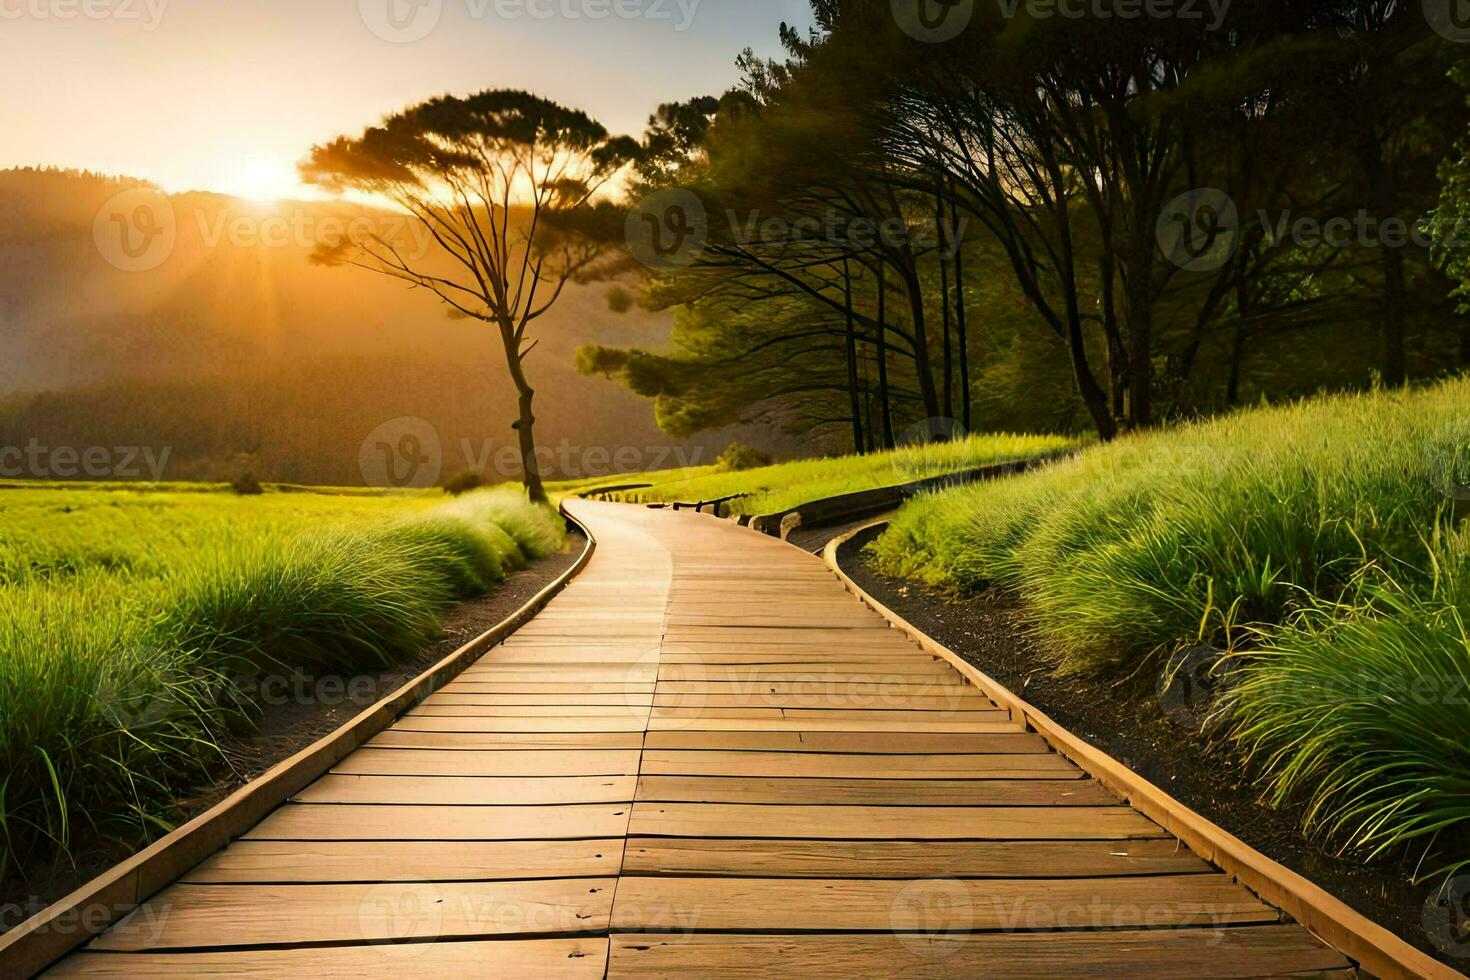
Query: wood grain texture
<point x="941" y="905"/>
<point x="877" y="792"/>
<point x="562" y="959"/>
<point x="469" y="790"/>
<point x="310" y="821"/>
<point x="345" y="862"/>
<point x="659" y="762"/>
<point x="1205" y="954"/>
<point x="871" y="743"/>
<point x="888" y="823"/>
<point x="209" y="916"/>
<point x="906" y="859"/>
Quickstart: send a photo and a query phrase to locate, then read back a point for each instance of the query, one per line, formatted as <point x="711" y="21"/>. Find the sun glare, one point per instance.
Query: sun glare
<point x="264" y="180"/>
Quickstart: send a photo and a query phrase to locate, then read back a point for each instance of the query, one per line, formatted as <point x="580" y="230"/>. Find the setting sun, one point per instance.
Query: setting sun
<point x="263" y="179"/>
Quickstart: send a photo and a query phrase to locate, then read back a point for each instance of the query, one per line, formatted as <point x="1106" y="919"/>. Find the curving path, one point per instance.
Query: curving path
<point x="706" y="758"/>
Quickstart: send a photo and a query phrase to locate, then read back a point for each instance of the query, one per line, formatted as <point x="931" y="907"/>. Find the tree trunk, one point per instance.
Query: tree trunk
<point x="885" y="399"/>
<point x="1091" y="392"/>
<point x="943" y="240"/>
<point x="1395" y="293"/>
<point x="525" y="426"/>
<point x="959" y="309"/>
<point x="1385" y="203"/>
<point x="924" y="365"/>
<point x="1140" y="342"/>
<point x="1237" y="360"/>
<point x="854" y="397"/>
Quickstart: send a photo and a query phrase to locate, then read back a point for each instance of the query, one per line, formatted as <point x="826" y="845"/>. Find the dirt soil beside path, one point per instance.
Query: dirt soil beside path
<point x="1125" y="721"/>
<point x="285" y="729"/>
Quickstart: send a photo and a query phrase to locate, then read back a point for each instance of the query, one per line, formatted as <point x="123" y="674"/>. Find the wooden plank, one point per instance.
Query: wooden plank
<point x="561" y="959"/>
<point x="907" y="859"/>
<point x="409" y="762"/>
<point x="877" y="792"/>
<point x="347" y="862"/>
<point x="883" y="743"/>
<point x="953" y="699"/>
<point x="837" y="638"/>
<point x="308" y="821"/>
<point x="440" y="710"/>
<point x="555" y="689"/>
<point x="1199" y="954"/>
<point x="469" y="790"/>
<point x="554" y="673"/>
<point x="895" y="692"/>
<point x="503" y="741"/>
<point x="946" y="905"/>
<point x="589" y="653"/>
<point x="695" y="722"/>
<point x="610" y="720"/>
<point x="749" y="658"/>
<point x="657" y="762"/>
<point x="874" y="670"/>
<point x="889" y="822"/>
<point x="208" y="916"/>
<point x="540" y="701"/>
<point x="835" y="681"/>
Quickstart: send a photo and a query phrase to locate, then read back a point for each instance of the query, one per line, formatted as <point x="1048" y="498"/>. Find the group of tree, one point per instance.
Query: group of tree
<point x="1103" y="219"/>
<point x="1046" y="221"/>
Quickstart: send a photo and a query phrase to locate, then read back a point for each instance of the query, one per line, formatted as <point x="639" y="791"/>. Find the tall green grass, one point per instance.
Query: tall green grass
<point x="1315" y="543"/>
<point x="124" y="618"/>
<point x="772" y="489"/>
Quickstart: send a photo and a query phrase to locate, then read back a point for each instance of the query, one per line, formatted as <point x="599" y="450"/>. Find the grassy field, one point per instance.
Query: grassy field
<point x="1322" y="546"/>
<point x="128" y="618"/>
<point x="772" y="489"/>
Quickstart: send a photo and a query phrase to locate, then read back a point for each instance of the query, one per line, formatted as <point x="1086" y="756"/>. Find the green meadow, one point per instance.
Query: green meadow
<point x="128" y="617"/>
<point x="772" y="489"/>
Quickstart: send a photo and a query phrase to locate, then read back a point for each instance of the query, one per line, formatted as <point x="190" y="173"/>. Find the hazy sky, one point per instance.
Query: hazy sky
<point x="228" y="94"/>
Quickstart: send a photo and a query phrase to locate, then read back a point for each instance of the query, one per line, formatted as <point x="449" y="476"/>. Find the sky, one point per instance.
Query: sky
<point x="227" y="95"/>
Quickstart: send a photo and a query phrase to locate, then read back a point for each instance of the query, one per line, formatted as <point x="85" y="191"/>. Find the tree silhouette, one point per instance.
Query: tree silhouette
<point x="506" y="185"/>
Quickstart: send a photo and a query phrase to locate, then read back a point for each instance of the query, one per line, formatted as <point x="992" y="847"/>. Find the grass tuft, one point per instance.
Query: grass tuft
<point x="1322" y="545"/>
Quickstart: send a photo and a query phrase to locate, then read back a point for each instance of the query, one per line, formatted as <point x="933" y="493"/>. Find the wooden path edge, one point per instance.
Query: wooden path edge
<point x="66" y="925"/>
<point x="1375" y="948"/>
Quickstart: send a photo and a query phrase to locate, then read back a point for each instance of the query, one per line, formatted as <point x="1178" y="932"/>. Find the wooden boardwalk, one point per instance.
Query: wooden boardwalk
<point x="706" y="758"/>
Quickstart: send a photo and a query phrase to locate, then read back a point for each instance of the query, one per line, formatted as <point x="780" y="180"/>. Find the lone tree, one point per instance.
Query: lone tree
<point x="504" y="182"/>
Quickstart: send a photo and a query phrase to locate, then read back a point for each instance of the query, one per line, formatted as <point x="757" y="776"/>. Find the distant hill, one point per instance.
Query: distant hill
<point x="236" y="353"/>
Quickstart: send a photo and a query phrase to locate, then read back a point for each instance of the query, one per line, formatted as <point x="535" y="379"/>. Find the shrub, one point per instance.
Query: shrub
<point x="1316" y="542"/>
<point x="463" y="482"/>
<point x="619" y="300"/>
<point x="739" y="457"/>
<point x="246" y="485"/>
